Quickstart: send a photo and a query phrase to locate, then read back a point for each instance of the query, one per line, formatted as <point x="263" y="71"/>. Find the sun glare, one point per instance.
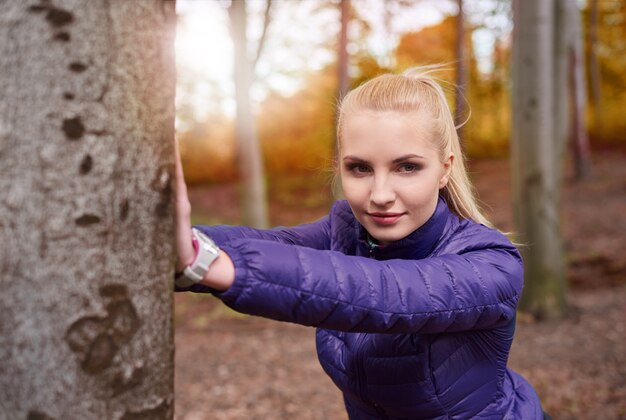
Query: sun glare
<point x="204" y="57"/>
<point x="202" y="41"/>
<point x="297" y="43"/>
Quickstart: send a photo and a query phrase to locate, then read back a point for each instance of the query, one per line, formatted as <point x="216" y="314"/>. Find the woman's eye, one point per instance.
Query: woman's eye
<point x="408" y="168"/>
<point x="359" y="169"/>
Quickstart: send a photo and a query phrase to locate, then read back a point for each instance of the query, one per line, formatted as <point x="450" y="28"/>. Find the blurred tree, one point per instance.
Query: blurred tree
<point x="342" y="56"/>
<point x="535" y="156"/>
<point x="343" y="77"/>
<point x="606" y="71"/>
<point x="592" y="55"/>
<point x="461" y="70"/>
<point x="254" y="196"/>
<point x="487" y="132"/>
<point x="86" y="226"/>
<point x="573" y="43"/>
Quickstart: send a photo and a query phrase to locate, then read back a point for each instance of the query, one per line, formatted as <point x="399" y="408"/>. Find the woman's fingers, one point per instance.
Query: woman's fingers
<point x="181" y="187"/>
<point x="184" y="246"/>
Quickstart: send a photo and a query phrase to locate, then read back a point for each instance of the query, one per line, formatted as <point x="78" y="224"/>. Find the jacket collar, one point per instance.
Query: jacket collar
<point x="417" y="245"/>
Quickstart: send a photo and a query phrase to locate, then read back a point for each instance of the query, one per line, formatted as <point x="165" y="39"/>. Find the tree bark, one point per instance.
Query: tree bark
<point x="86" y="214"/>
<point x="251" y="167"/>
<point x="534" y="150"/>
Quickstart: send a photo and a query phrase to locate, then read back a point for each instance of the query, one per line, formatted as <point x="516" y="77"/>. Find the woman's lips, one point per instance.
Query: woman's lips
<point x="385" y="219"/>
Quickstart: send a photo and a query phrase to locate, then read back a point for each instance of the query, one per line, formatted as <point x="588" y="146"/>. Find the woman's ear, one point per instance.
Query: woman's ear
<point x="446" y="169"/>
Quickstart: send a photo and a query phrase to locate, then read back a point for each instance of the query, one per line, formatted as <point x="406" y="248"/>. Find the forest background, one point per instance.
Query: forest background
<point x="264" y="369"/>
<point x="297" y="79"/>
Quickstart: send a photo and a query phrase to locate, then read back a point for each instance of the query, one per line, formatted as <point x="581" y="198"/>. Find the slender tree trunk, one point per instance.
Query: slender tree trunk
<point x="86" y="214"/>
<point x="501" y="78"/>
<point x="561" y="107"/>
<point x="266" y="24"/>
<point x="343" y="77"/>
<point x="580" y="139"/>
<point x="592" y="59"/>
<point x="461" y="71"/>
<point x="344" y="80"/>
<point x="535" y="155"/>
<point x="251" y="167"/>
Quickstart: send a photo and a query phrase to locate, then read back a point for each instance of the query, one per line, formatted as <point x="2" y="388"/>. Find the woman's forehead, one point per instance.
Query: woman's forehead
<point x="368" y="122"/>
<point x="386" y="133"/>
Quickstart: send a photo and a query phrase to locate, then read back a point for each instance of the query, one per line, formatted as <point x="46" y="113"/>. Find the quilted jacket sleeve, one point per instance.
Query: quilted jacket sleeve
<point x="312" y="235"/>
<point x="477" y="288"/>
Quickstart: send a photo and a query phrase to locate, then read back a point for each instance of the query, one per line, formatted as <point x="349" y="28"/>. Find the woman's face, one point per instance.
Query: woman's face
<point x="390" y="171"/>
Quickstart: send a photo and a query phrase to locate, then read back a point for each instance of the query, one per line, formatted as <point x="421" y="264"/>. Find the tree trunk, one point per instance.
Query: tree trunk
<point x="251" y="167"/>
<point x="535" y="154"/>
<point x="86" y="214"/>
<point x="592" y="59"/>
<point x="580" y="139"/>
<point x="461" y="82"/>
<point x="343" y="77"/>
<point x="561" y="106"/>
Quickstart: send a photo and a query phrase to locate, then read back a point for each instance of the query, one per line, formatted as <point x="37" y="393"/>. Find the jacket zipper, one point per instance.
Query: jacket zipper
<point x="360" y="360"/>
<point x="358" y="343"/>
<point x="360" y="375"/>
<point x="373" y="250"/>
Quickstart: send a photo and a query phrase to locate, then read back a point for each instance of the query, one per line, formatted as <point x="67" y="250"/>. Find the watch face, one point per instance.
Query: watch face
<point x="201" y="234"/>
<point x="206" y="242"/>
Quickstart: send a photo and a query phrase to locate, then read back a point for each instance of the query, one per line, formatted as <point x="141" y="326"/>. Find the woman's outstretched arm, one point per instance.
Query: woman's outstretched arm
<point x="476" y="289"/>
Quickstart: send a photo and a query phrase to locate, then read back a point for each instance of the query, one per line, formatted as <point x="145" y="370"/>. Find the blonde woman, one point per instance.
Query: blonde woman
<point x="412" y="292"/>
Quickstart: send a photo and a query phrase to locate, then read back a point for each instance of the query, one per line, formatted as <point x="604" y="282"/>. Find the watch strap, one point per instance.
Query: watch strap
<point x="206" y="253"/>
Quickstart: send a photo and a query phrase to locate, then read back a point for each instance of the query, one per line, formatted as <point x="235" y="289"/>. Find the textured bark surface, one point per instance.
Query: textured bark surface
<point x="86" y="215"/>
<point x="535" y="150"/>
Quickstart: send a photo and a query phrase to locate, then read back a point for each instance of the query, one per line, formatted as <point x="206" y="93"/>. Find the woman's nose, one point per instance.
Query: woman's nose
<point x="382" y="193"/>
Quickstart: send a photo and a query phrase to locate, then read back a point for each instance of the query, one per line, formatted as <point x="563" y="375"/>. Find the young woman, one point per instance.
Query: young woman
<point x="413" y="294"/>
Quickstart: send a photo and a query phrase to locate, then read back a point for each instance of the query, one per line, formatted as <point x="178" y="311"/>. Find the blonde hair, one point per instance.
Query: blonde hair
<point x="416" y="91"/>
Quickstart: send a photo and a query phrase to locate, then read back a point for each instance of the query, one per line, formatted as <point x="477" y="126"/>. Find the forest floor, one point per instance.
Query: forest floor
<point x="230" y="366"/>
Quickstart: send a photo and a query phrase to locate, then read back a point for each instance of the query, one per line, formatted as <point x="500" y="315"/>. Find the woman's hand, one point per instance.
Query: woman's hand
<point x="222" y="272"/>
<point x="184" y="245"/>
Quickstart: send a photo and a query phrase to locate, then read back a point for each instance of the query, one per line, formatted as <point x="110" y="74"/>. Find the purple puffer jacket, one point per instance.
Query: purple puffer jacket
<point x="418" y="329"/>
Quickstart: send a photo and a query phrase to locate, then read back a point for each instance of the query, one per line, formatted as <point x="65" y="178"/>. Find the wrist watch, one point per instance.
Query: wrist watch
<point x="206" y="252"/>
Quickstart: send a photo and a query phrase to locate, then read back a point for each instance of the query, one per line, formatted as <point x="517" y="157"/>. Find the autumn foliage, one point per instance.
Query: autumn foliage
<point x="297" y="131"/>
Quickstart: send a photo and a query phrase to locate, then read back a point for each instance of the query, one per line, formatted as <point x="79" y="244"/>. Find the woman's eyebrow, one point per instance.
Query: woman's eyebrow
<point x="355" y="159"/>
<point x="396" y="160"/>
<point x="407" y="157"/>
